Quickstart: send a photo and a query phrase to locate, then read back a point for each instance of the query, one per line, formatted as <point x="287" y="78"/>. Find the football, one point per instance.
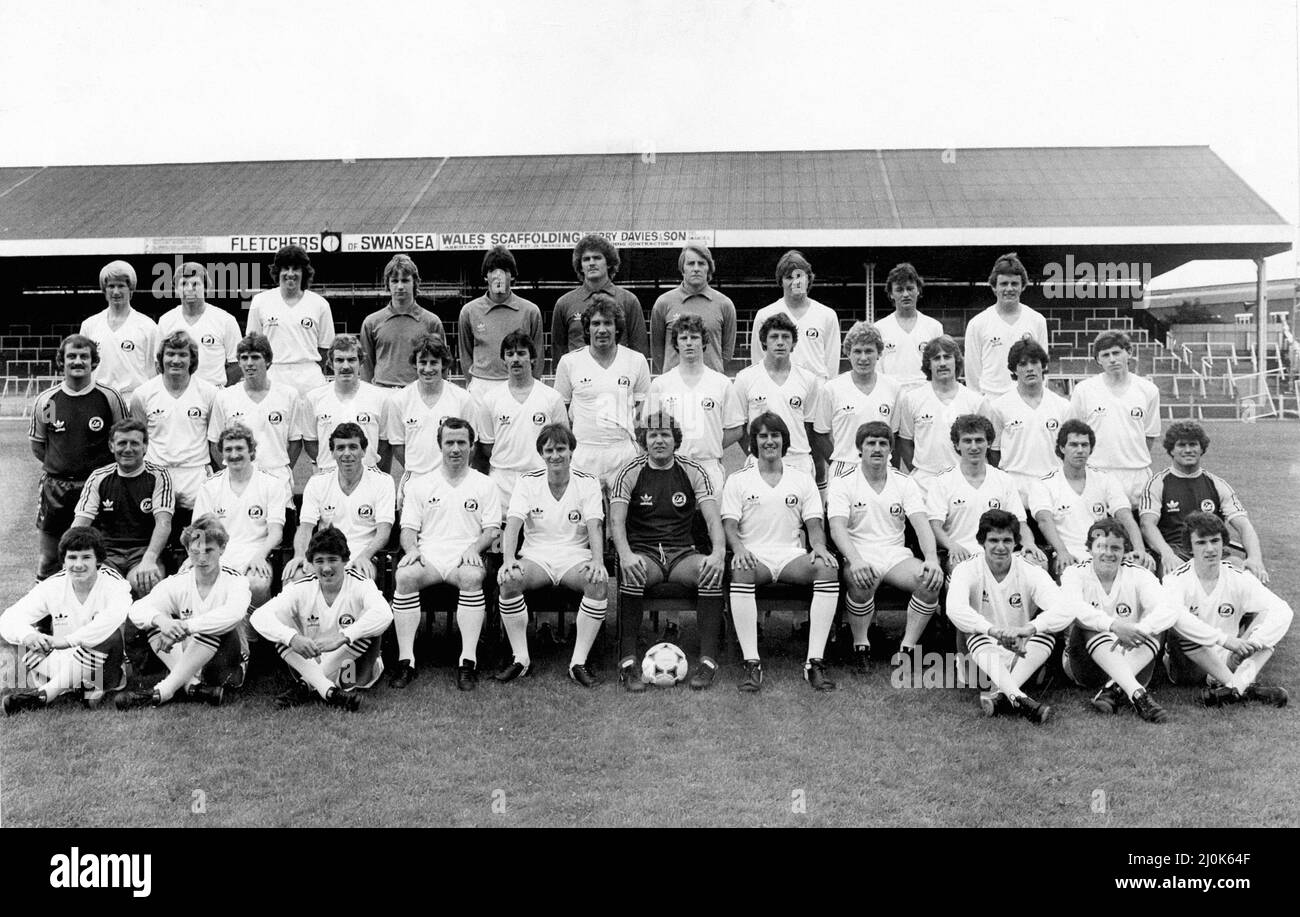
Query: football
<point x="664" y="665"/>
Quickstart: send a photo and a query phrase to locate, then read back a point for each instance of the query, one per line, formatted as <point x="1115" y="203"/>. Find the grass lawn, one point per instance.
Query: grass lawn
<point x="544" y="752"/>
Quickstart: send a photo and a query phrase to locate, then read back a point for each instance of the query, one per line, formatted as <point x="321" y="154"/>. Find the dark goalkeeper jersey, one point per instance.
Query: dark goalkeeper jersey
<point x="661" y="504"/>
<point x="75" y="429"/>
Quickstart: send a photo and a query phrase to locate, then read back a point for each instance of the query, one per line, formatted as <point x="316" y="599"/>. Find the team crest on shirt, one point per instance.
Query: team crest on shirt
<point x="256" y="512"/>
<point x="1137" y="413"/>
<point x="884" y="409"/>
<point x="1226" y="610"/>
<point x="995" y="503"/>
<point x="1052" y="424"/>
<point x="791" y="499"/>
<point x="895" y="509"/>
<point x="1207" y="506"/>
<point x="679" y="499"/>
<point x="346" y="620"/>
<point x="365" y="417"/>
<point x="539" y="418"/>
<point x="624" y="381"/>
<point x="146" y="505"/>
<point x="128" y="345"/>
<point x="575" y="516"/>
<point x="208" y="340"/>
<point x="96" y="424"/>
<point x="307" y="323"/>
<point x="471" y="505"/>
<point x="1098" y="509"/>
<point x="796" y="402"/>
<point x="1123" y="610"/>
<point x="194" y="413"/>
<point x="1015" y="601"/>
<point x="275" y="417"/>
<point x="812" y="333"/>
<point x="707" y="403"/>
<point x="365" y="511"/>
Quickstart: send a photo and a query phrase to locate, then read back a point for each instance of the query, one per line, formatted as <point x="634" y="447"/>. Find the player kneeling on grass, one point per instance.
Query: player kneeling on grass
<point x="652" y="509"/>
<point x="1232" y="624"/>
<point x="765" y="507"/>
<point x="450" y="516"/>
<point x="192" y="622"/>
<point x="560" y="514"/>
<point x="327" y="627"/>
<point x="86" y="602"/>
<point x="993" y="598"/>
<point x="869" y="505"/>
<point x="1115" y="649"/>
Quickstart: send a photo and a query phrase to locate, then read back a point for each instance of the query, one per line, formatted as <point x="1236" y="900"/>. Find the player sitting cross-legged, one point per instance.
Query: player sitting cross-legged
<point x="86" y="602"/>
<point x="1232" y="624"/>
<point x="1116" y="649"/>
<point x="765" y="507"/>
<point x="450" y="516"/>
<point x="559" y="511"/>
<point x="868" y="506"/>
<point x="327" y="627"/>
<point x="993" y="598"/>
<point x="192" y="623"/>
<point x="652" y="510"/>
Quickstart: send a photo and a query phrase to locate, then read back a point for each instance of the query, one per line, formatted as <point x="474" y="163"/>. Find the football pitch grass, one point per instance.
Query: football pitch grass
<point x="542" y="751"/>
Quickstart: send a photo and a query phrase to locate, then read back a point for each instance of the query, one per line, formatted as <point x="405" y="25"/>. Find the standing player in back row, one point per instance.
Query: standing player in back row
<point x="1123" y="409"/>
<point x="694" y="296"/>
<point x="604" y="385"/>
<point x="905" y="330"/>
<point x="790" y="392"/>
<point x="69" y="436"/>
<point x="990" y="334"/>
<point x="485" y="322"/>
<point x="856" y="397"/>
<point x="596" y="262"/>
<point x="127" y="340"/>
<point x="817" y="327"/>
<point x="298" y="323"/>
<point x="214" y="330"/>
<point x="388" y="335"/>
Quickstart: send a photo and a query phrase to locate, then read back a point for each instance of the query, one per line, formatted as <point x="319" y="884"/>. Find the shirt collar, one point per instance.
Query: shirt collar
<point x="687" y="293"/>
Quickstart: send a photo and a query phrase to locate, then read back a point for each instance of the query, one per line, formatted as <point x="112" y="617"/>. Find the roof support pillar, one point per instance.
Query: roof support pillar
<point x="1261" y="313"/>
<point x="869" y="275"/>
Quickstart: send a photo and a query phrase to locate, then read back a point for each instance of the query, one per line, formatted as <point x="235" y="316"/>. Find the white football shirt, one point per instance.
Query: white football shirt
<point x="771" y="515"/>
<point x="1122" y="420"/>
<point x="603" y="400"/>
<point x="794" y="401"/>
<point x="274" y="421"/>
<point x="357" y="515"/>
<point x="413" y="424"/>
<point x="817" y="338"/>
<point x="977" y="601"/>
<point x="358" y="611"/>
<point x="127" y="356"/>
<point x="1236" y="593"/>
<point x="246" y="514"/>
<point x="322" y="410"/>
<point x="297" y="333"/>
<point x="178" y="597"/>
<point x="699" y="409"/>
<point x="511" y="426"/>
<point x="550" y="523"/>
<point x="988" y="341"/>
<point x="87" y="623"/>
<point x="925" y="419"/>
<point x="877" y="520"/>
<point x="953" y="501"/>
<point x="843" y="408"/>
<point x="178" y="425"/>
<point x="1135" y="597"/>
<point x="217" y="334"/>
<point x="1026" y="435"/>
<point x="902" y="355"/>
<point x="452" y="517"/>
<point x="1074" y="513"/>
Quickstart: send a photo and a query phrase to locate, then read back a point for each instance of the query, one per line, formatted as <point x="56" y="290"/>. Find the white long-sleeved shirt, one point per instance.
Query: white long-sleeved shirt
<point x="1135" y="597"/>
<point x="87" y="623"/>
<point x="1236" y="593"/>
<point x="178" y="597"/>
<point x="977" y="601"/>
<point x="358" y="611"/>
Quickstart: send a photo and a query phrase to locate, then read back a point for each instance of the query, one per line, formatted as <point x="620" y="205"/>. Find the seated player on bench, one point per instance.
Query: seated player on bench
<point x="652" y="507"/>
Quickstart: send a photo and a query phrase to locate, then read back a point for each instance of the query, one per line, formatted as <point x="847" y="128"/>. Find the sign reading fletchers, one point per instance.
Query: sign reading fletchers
<point x="540" y="239"/>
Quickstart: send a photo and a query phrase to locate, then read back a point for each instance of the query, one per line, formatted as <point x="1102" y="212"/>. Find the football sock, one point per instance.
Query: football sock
<point x="919" y="613"/>
<point x="709" y="618"/>
<point x="861" y="615"/>
<point x="1120" y="664"/>
<point x="1248" y="669"/>
<point x="1212" y="660"/>
<point x="470" y="613"/>
<point x="514" y="618"/>
<point x="744" y="615"/>
<point x="406" y="621"/>
<point x="309" y="669"/>
<point x="198" y="654"/>
<point x="821" y="615"/>
<point x="631" y="609"/>
<point x="988" y="656"/>
<point x="591" y="614"/>
<point x="337" y="665"/>
<point x="1037" y="649"/>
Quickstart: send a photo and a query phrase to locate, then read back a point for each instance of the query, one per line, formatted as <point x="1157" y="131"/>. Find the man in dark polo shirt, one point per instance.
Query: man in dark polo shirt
<point x="652" y="508"/>
<point x="694" y="297"/>
<point x="131" y="502"/>
<point x="386" y="335"/>
<point x="1185" y="488"/>
<point x="69" y="435"/>
<point x="484" y="323"/>
<point x="596" y="262"/>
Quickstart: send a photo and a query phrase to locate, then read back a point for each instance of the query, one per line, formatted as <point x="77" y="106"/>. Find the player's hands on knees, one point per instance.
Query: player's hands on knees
<point x="1169" y="562"/>
<point x="304" y="646"/>
<point x="595" y="572"/>
<point x="39" y="642"/>
<point x="471" y="558"/>
<point x="510" y="572"/>
<point x="362" y="565"/>
<point x="1257" y="567"/>
<point x="932" y="575"/>
<point x="294" y="568"/>
<point x="410" y="560"/>
<point x="862" y="575"/>
<point x="1142" y="557"/>
<point x="824" y="556"/>
<point x="1034" y="555"/>
<point x="633" y="569"/>
<point x="1059" y="563"/>
<point x="145" y="576"/>
<point x="956" y="555"/>
<point x="258" y="569"/>
<point x="1128" y="635"/>
<point x="744" y="560"/>
<point x="711" y="569"/>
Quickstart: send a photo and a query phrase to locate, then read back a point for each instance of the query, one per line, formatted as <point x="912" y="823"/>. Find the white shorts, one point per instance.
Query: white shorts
<point x="186" y="483"/>
<point x="1131" y="480"/>
<point x="506" y="481"/>
<point x="1022" y="482"/>
<point x="604" y="461"/>
<point x="557" y="561"/>
<point x="303" y="377"/>
<point x="775" y="557"/>
<point x="883" y="558"/>
<point x="713" y="468"/>
<point x="442" y="557"/>
<point x="480" y="387"/>
<point x="923" y="478"/>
